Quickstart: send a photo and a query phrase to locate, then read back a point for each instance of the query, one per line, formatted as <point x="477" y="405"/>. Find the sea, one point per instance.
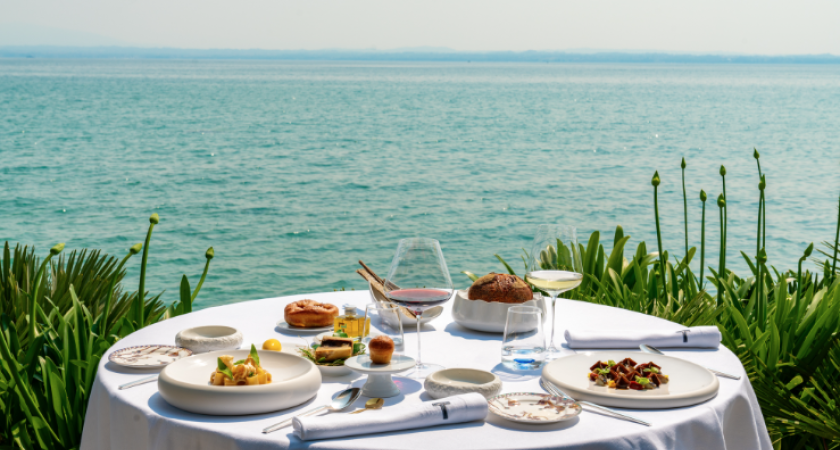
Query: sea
<point x="295" y="171"/>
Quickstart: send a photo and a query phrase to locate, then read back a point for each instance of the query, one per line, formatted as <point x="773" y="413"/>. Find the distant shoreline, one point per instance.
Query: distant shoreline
<point x="52" y="52"/>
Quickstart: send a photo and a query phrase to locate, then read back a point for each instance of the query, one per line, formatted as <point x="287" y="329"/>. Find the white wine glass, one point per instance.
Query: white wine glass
<point x="418" y="279"/>
<point x="554" y="267"/>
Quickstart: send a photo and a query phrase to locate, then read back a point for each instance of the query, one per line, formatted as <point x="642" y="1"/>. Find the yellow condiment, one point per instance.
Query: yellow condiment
<point x="273" y="345"/>
<point x="351" y="323"/>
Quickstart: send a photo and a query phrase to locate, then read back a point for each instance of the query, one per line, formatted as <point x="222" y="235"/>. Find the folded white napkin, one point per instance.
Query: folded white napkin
<point x="456" y="409"/>
<point x="694" y="337"/>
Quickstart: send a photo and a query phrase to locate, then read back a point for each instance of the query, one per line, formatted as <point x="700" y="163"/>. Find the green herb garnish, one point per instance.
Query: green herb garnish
<point x="610" y="363"/>
<point x="358" y="349"/>
<point x="643" y="381"/>
<point x="241" y="361"/>
<point x="223" y="368"/>
<point x="651" y="370"/>
<point x="603" y="371"/>
<point x="254" y="355"/>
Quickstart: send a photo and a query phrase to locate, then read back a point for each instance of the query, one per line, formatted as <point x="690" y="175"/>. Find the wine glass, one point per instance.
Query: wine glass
<point x="418" y="280"/>
<point x="554" y="266"/>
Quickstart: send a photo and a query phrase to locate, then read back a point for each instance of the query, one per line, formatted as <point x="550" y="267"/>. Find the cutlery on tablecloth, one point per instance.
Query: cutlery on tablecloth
<point x="655" y="351"/>
<point x="557" y="392"/>
<point x="342" y="400"/>
<point x="374" y="403"/>
<point x="145" y="380"/>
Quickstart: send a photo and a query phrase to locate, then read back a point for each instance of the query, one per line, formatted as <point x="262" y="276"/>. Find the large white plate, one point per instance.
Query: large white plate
<point x="689" y="383"/>
<point x="148" y="356"/>
<point x="186" y="384"/>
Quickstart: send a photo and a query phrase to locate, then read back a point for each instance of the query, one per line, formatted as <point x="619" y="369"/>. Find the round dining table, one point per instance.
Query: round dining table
<point x="139" y="418"/>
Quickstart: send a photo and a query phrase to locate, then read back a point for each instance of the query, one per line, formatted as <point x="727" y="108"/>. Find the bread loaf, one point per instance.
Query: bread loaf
<point x="500" y="287"/>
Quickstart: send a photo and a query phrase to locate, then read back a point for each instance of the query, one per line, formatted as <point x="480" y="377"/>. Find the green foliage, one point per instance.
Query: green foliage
<point x="784" y="326"/>
<point x="57" y="319"/>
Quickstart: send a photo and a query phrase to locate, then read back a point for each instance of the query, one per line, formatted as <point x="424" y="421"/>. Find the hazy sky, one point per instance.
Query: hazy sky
<point x="752" y="26"/>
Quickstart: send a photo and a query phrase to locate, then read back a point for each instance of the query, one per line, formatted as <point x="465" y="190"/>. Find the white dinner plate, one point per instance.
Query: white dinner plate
<point x="527" y="407"/>
<point x="148" y="356"/>
<point x="285" y="326"/>
<point x="185" y="384"/>
<point x="689" y="383"/>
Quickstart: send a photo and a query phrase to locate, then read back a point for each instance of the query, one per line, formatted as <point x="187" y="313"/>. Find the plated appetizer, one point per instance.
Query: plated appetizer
<point x="245" y="372"/>
<point x="333" y="350"/>
<point x="626" y="374"/>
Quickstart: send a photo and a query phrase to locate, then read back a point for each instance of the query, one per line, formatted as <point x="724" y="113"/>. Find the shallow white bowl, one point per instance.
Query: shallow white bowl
<point x="488" y="317"/>
<point x="449" y="382"/>
<point x="209" y="338"/>
<point x="185" y="384"/>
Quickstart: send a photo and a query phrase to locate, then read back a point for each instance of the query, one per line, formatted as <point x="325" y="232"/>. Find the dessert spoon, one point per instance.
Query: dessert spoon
<point x="656" y="351"/>
<point x="374" y="403"/>
<point x="342" y="400"/>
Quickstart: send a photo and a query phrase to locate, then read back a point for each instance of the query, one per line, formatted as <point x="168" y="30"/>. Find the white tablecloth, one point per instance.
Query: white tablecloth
<point x="138" y="418"/>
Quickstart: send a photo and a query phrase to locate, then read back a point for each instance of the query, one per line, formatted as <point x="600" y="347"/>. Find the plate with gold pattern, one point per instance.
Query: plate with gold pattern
<point x="530" y="407"/>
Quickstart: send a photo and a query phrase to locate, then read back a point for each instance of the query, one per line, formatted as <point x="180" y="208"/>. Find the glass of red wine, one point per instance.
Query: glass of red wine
<point x="418" y="280"/>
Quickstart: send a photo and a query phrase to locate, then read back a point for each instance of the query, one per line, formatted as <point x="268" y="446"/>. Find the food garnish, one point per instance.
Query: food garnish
<point x="334" y="352"/>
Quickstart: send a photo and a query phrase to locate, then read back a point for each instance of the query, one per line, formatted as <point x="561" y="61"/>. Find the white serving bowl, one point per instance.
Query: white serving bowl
<point x="185" y="384"/>
<point x="486" y="316"/>
<point x="209" y="338"/>
<point x="449" y="382"/>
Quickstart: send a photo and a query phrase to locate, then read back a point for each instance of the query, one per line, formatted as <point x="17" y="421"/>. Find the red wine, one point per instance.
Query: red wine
<point x="419" y="298"/>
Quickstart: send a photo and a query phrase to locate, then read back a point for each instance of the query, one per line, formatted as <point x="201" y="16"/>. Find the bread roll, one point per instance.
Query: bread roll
<point x="500" y="287"/>
<point x="310" y="314"/>
<point x="381" y="348"/>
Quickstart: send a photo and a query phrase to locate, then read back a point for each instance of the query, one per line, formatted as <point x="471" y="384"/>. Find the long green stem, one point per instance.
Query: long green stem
<point x="702" y="239"/>
<point x="659" y="236"/>
<point x="141" y="292"/>
<point x="33" y="299"/>
<point x="722" y="266"/>
<point x="209" y="255"/>
<point x="758" y="232"/>
<point x="836" y="244"/>
<point x="685" y="206"/>
<point x="761" y="260"/>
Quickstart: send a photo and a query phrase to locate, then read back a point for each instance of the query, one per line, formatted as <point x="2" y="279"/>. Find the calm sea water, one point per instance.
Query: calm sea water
<point x="295" y="170"/>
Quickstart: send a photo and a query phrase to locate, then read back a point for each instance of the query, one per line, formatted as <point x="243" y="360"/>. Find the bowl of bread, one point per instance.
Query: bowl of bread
<point x="483" y="307"/>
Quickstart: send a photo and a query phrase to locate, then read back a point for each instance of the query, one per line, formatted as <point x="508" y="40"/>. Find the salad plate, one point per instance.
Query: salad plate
<point x="527" y="407"/>
<point x="688" y="383"/>
<point x="186" y="384"/>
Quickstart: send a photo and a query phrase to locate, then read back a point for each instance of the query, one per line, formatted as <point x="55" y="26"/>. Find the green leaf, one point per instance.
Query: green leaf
<point x="254" y="354"/>
<point x="223" y="368"/>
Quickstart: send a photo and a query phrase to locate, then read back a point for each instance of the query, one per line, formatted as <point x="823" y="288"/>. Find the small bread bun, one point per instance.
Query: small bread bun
<point x="381" y="349"/>
<point x="500" y="287"/>
<point x="310" y="314"/>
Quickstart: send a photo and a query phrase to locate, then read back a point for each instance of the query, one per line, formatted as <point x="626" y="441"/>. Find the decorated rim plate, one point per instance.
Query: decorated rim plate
<point x="688" y="384"/>
<point x="148" y="356"/>
<point x="529" y="407"/>
<point x="285" y="326"/>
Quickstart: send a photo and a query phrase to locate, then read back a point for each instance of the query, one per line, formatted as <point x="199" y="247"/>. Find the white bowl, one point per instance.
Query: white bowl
<point x="209" y="338"/>
<point x="185" y="384"/>
<point x="488" y="317"/>
<point x="449" y="382"/>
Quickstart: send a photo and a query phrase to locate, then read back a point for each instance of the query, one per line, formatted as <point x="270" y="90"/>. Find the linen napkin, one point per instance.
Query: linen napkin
<point x="694" y="337"/>
<point x="449" y="410"/>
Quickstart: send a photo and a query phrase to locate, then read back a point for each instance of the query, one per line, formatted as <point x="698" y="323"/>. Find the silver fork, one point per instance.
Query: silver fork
<point x="557" y="392"/>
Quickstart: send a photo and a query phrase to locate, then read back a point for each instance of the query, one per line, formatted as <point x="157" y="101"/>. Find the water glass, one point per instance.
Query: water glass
<point x="385" y="320"/>
<point x="523" y="344"/>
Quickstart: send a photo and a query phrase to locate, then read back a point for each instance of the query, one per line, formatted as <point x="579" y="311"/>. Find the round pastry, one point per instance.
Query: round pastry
<point x="381" y="348"/>
<point x="310" y="314"/>
<point x="500" y="287"/>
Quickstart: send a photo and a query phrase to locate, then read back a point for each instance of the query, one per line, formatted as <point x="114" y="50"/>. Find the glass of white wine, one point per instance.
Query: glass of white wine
<point x="554" y="267"/>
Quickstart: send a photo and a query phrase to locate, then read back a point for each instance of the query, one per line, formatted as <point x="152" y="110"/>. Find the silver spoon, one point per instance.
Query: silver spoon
<point x="342" y="400"/>
<point x="656" y="351"/>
